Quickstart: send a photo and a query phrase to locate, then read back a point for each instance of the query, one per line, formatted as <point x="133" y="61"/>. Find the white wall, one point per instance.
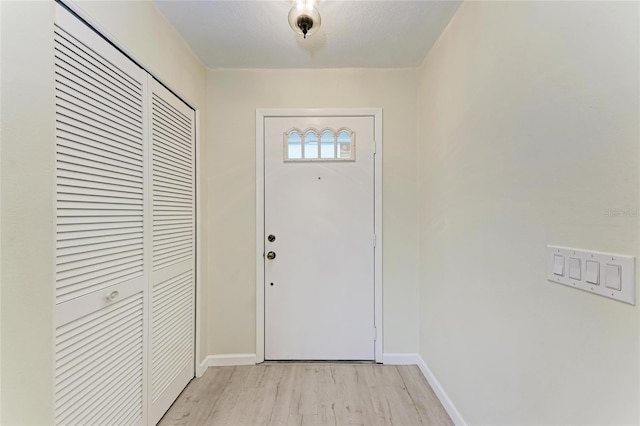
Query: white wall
<point x="529" y="134"/>
<point x="234" y="96"/>
<point x="27" y="173"/>
<point x="27" y="168"/>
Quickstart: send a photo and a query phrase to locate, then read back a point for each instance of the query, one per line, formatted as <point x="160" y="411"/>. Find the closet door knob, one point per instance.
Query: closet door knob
<point x="113" y="295"/>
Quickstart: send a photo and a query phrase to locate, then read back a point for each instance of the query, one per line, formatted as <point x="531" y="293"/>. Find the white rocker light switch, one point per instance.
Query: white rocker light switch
<point x="592" y="272"/>
<point x="558" y="264"/>
<point x="613" y="277"/>
<point x="575" y="268"/>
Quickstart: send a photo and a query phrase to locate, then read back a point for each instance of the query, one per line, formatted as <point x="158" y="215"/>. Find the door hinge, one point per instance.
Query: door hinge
<point x="375" y="146"/>
<point x="375" y="333"/>
<point x="375" y="240"/>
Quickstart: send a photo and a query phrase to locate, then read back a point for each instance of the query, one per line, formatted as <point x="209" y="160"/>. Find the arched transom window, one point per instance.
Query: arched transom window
<point x="319" y="145"/>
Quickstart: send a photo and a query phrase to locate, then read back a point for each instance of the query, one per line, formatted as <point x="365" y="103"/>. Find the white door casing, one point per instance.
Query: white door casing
<point x="325" y="300"/>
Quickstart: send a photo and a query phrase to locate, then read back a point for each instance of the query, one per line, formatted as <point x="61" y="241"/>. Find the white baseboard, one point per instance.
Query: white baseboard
<point x="202" y="367"/>
<point x="225" y="361"/>
<point x="416" y="359"/>
<point x="446" y="402"/>
<point x="401" y="359"/>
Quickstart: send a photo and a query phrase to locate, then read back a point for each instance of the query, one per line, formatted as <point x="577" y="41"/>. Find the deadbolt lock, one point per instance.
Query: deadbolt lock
<point x="271" y="238"/>
<point x="271" y="255"/>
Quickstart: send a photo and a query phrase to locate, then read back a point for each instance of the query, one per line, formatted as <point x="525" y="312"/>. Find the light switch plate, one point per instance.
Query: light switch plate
<point x="606" y="263"/>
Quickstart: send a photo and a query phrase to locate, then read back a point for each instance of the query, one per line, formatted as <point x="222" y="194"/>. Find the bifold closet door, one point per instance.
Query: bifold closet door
<point x="125" y="243"/>
<point x="172" y="250"/>
<point x="100" y="276"/>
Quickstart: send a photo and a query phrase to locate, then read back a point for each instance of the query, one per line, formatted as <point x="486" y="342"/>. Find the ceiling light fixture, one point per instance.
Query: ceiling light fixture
<point x="304" y="17"/>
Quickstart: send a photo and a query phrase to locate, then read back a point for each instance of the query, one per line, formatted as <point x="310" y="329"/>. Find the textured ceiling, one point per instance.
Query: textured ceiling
<point x="362" y="33"/>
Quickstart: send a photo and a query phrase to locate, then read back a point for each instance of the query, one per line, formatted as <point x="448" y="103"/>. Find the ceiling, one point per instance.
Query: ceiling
<point x="354" y="33"/>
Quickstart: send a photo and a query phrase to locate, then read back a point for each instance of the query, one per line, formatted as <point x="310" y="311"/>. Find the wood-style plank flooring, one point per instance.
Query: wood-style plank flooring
<point x="308" y="394"/>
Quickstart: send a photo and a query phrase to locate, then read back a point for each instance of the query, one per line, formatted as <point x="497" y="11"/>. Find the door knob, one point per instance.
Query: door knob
<point x="271" y="255"/>
<point x="113" y="295"/>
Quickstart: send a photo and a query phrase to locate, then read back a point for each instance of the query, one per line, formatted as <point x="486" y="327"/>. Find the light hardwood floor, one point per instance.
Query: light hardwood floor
<point x="308" y="394"/>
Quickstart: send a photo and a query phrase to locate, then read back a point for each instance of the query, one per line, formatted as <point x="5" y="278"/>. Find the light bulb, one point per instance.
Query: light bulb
<point x="304" y="17"/>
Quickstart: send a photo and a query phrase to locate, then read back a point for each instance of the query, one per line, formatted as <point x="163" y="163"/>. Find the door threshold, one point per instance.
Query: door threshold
<point x="316" y="361"/>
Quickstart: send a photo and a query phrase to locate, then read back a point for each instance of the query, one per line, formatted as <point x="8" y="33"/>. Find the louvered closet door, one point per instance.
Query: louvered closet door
<point x="100" y="341"/>
<point x="173" y="250"/>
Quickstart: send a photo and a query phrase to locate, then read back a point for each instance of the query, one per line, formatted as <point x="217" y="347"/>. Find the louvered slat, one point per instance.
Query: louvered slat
<point x="88" y="66"/>
<point x="99" y="359"/>
<point x="104" y="65"/>
<point x="100" y="350"/>
<point x="99" y="146"/>
<point x="173" y="249"/>
<point x="173" y="178"/>
<point x="172" y="329"/>
<point x="79" y="131"/>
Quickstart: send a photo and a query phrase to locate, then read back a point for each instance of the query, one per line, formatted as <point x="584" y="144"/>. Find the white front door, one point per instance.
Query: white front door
<point x="319" y="238"/>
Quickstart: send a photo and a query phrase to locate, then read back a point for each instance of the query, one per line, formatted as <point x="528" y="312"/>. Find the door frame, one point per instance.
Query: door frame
<point x="261" y="115"/>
